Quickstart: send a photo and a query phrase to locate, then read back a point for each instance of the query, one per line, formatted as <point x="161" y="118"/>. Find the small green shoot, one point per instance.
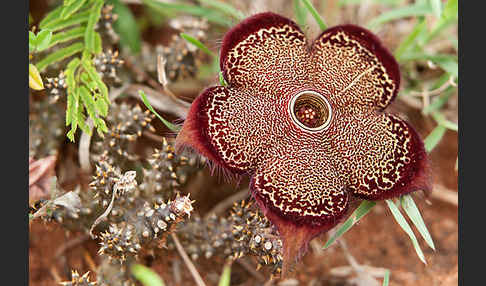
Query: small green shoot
<point x="434" y="137"/>
<point x="169" y="125"/>
<point x="146" y="275"/>
<point x="360" y="212"/>
<point x="224" y="8"/>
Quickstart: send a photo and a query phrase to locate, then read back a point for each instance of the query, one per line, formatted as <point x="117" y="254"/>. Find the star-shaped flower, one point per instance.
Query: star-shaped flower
<point x="306" y="121"/>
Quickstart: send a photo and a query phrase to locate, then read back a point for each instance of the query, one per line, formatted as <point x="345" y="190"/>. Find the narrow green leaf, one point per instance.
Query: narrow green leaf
<point x="51" y="16"/>
<point x="100" y="126"/>
<point x="94" y="16"/>
<point x="88" y="101"/>
<point x="418" y="9"/>
<point x="146" y="275"/>
<point x="71" y="88"/>
<point x="93" y="74"/>
<point x="32" y="41"/>
<point x="300" y="13"/>
<point x="169" y="125"/>
<point x="222" y="81"/>
<point x="434" y="137"/>
<point x="436" y="7"/>
<point x="410" y="41"/>
<point x="360" y="212"/>
<point x="413" y="213"/>
<point x="210" y="14"/>
<point x="98" y="47"/>
<point x="60" y="55"/>
<point x="101" y="106"/>
<point x="224" y="7"/>
<point x="438" y="102"/>
<point x="126" y="27"/>
<point x="386" y="278"/>
<point x="35" y="80"/>
<point x="197" y="43"/>
<point x="406" y="227"/>
<point x="225" y="278"/>
<point x="69" y="109"/>
<point x="440" y="118"/>
<point x="68" y="35"/>
<point x="71" y="8"/>
<point x="315" y="14"/>
<point x="81" y="120"/>
<point x="43" y="39"/>
<point x="59" y="24"/>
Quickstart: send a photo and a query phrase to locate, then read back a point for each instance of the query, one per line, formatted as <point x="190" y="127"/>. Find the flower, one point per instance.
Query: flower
<point x="306" y="121"/>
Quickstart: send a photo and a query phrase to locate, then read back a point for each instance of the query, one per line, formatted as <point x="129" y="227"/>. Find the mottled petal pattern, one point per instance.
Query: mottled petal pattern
<point x="351" y="63"/>
<point x="263" y="47"/>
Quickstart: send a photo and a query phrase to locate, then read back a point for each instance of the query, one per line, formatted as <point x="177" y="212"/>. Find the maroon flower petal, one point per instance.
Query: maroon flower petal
<point x="303" y="196"/>
<point x="223" y="126"/>
<point x="384" y="158"/>
<point x="263" y="51"/>
<point x="352" y="64"/>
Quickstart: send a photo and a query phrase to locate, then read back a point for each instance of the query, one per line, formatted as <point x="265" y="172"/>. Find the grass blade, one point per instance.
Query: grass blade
<point x="436" y="7"/>
<point x="418" y="9"/>
<point x="169" y="125"/>
<point x="226" y="276"/>
<point x="406" y="227"/>
<point x="413" y="213"/>
<point x="60" y="55"/>
<point x="441" y="120"/>
<point x="300" y="13"/>
<point x="146" y="275"/>
<point x="315" y="14"/>
<point x="197" y="43"/>
<point x="360" y="212"/>
<point x="386" y="278"/>
<point x="410" y="40"/>
<point x="434" y="137"/>
<point x="224" y="8"/>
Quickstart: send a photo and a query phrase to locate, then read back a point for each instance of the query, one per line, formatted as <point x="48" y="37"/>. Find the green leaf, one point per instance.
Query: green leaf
<point x="146" y="275"/>
<point x="101" y="106"/>
<point x="35" y="80"/>
<point x="169" y="125"/>
<point x="386" y="278"/>
<point x="315" y="14"/>
<point x="51" y="16"/>
<point x="440" y="118"/>
<point x="413" y="213"/>
<point x="94" y="16"/>
<point x="68" y="35"/>
<point x="416" y="10"/>
<point x="434" y="137"/>
<point x="93" y="74"/>
<point x="222" y="81"/>
<point x="225" y="278"/>
<point x="410" y="41"/>
<point x="224" y="8"/>
<point x="300" y="13"/>
<point x="81" y="119"/>
<point x="360" y="212"/>
<point x="71" y="8"/>
<point x="436" y="7"/>
<point x="32" y="41"/>
<point x="59" y="24"/>
<point x="88" y="101"/>
<point x="210" y="14"/>
<point x="60" y="55"/>
<point x="126" y="27"/>
<point x="71" y="88"/>
<point x="197" y="43"/>
<point x="438" y="102"/>
<point x="406" y="227"/>
<point x="43" y="39"/>
<point x="98" y="47"/>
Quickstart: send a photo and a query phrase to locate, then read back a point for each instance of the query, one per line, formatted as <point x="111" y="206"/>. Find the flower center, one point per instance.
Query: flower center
<point x="310" y="110"/>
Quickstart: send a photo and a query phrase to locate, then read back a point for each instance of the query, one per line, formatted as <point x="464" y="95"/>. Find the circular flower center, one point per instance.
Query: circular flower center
<point x="310" y="110"/>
